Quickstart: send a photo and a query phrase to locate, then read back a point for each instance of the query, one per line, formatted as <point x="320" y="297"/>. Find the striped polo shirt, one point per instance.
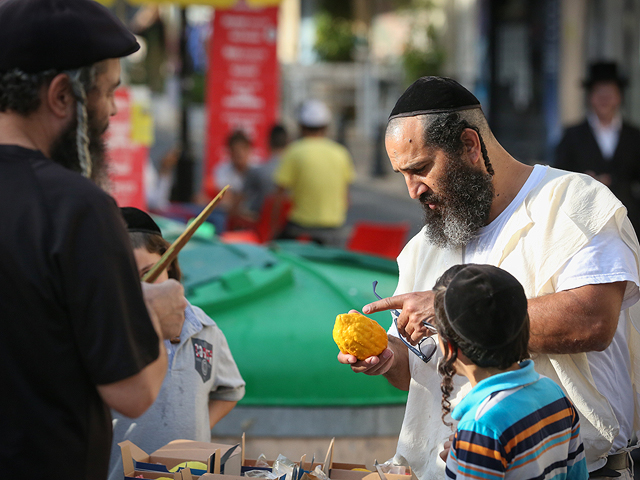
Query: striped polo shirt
<point x="516" y="424"/>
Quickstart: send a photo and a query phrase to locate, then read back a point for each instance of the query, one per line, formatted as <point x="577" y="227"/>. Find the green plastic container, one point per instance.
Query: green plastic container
<point x="277" y="307"/>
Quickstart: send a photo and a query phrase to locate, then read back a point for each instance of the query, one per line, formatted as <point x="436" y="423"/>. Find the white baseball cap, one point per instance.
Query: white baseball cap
<point x="314" y="114"/>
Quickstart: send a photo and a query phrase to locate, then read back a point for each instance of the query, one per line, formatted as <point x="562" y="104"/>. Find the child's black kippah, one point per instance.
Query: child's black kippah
<point x="486" y="306"/>
<point x="139" y="221"/>
<point x="433" y="95"/>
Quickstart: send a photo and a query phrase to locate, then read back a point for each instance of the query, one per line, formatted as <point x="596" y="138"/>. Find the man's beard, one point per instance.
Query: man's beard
<point x="65" y="150"/>
<point x="462" y="208"/>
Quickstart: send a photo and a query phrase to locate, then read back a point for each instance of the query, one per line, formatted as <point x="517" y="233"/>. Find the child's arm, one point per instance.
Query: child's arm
<point x="218" y="409"/>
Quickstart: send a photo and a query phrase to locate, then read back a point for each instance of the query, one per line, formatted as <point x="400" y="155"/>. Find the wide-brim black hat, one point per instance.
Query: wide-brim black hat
<point x="39" y="35"/>
<point x="604" y="72"/>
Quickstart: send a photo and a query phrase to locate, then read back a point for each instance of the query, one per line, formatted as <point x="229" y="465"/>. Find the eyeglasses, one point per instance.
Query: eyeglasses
<point x="427" y="347"/>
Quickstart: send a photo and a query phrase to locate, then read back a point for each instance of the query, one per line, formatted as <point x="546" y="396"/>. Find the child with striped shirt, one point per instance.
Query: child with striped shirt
<point x="514" y="423"/>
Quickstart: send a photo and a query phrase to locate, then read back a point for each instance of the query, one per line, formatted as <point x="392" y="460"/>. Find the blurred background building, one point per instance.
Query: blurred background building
<point x="524" y="60"/>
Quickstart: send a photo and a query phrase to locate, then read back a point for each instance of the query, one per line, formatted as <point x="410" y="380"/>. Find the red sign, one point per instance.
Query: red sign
<point x="126" y="159"/>
<point x="242" y="84"/>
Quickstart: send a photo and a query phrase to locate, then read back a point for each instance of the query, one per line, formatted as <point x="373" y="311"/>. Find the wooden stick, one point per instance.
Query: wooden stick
<point x="172" y="252"/>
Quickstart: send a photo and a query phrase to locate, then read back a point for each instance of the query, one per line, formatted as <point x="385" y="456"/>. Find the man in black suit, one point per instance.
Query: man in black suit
<point x="603" y="145"/>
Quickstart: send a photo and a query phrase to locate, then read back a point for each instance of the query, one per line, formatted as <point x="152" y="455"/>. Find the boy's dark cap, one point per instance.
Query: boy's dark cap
<point x="486" y="306"/>
<point x="604" y="72"/>
<point x="433" y="95"/>
<point x="139" y="221"/>
<point x="39" y="35"/>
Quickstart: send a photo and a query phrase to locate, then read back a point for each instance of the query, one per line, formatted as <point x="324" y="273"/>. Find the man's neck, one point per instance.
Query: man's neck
<point x="24" y="132"/>
<point x="510" y="176"/>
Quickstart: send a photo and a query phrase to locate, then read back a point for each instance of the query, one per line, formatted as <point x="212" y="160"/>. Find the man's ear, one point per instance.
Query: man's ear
<point x="59" y="98"/>
<point x="471" y="143"/>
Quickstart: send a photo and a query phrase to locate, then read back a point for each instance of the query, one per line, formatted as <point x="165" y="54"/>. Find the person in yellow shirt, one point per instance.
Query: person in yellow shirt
<point x="316" y="173"/>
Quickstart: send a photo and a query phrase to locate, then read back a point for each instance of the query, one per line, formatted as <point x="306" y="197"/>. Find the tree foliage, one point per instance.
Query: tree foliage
<point x="335" y="40"/>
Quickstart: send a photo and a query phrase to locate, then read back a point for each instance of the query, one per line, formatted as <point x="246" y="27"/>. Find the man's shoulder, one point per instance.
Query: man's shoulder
<point x="71" y="187"/>
<point x="565" y="183"/>
<point x="51" y="180"/>
<point x="583" y="200"/>
<point x="630" y="128"/>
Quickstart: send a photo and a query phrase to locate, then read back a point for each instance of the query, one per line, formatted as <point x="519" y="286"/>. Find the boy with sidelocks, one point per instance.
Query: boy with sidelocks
<point x="514" y="423"/>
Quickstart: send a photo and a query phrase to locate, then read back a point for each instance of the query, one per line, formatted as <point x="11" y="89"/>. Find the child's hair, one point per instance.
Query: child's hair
<point x="154" y="243"/>
<point x="483" y="355"/>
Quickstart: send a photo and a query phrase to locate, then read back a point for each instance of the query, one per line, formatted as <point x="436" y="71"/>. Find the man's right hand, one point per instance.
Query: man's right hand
<point x="415" y="307"/>
<point x="166" y="303"/>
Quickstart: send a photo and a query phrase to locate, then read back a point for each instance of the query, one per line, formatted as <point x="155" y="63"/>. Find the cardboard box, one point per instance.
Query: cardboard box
<point x="217" y="457"/>
<point x="335" y="471"/>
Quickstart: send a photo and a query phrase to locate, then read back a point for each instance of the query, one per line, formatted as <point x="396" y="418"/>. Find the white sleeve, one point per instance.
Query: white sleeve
<point x="228" y="383"/>
<point x="605" y="259"/>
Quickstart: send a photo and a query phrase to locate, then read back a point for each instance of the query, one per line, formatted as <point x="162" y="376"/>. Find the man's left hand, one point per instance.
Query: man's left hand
<point x="447" y="447"/>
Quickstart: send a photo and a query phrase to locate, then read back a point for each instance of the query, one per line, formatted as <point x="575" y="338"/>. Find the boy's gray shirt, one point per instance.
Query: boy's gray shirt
<point x="201" y="367"/>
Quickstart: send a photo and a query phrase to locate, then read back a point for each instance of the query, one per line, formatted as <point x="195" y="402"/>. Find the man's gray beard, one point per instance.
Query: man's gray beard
<point x="65" y="151"/>
<point x="462" y="208"/>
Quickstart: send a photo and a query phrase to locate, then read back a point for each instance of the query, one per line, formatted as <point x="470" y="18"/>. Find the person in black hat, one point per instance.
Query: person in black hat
<point x="514" y="423"/>
<point x="564" y="236"/>
<point x="80" y="336"/>
<point x="604" y="145"/>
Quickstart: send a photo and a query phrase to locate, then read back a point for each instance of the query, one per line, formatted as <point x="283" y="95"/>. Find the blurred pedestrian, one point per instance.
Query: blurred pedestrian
<point x="233" y="172"/>
<point x="259" y="180"/>
<point x="316" y="173"/>
<point x="604" y="145"/>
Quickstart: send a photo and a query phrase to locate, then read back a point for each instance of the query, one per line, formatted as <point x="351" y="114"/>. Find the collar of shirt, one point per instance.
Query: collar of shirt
<point x="193" y="324"/>
<point x="606" y="136"/>
<point x="615" y="125"/>
<point x="502" y="381"/>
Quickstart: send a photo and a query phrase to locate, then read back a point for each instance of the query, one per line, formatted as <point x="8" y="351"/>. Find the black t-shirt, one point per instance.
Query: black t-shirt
<point x="72" y="317"/>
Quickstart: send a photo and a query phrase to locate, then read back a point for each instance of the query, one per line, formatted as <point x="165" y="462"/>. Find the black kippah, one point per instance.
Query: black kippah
<point x="433" y="95"/>
<point x="139" y="221"/>
<point x="486" y="306"/>
<point x="39" y="35"/>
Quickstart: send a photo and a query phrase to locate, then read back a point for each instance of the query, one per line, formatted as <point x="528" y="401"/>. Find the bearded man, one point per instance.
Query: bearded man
<point x="79" y="337"/>
<point x="564" y="236"/>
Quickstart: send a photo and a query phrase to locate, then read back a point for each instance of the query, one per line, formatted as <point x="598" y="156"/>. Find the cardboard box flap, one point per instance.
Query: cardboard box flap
<point x="328" y="460"/>
<point x="135" y="452"/>
<point x="153" y="475"/>
<point x="196" y="451"/>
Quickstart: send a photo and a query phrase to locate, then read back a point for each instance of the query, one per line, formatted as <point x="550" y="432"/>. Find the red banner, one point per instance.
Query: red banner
<point x="243" y="81"/>
<point x="126" y="158"/>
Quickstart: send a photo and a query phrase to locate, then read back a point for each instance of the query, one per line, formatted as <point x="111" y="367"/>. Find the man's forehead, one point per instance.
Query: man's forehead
<point x="108" y="70"/>
<point x="406" y="134"/>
